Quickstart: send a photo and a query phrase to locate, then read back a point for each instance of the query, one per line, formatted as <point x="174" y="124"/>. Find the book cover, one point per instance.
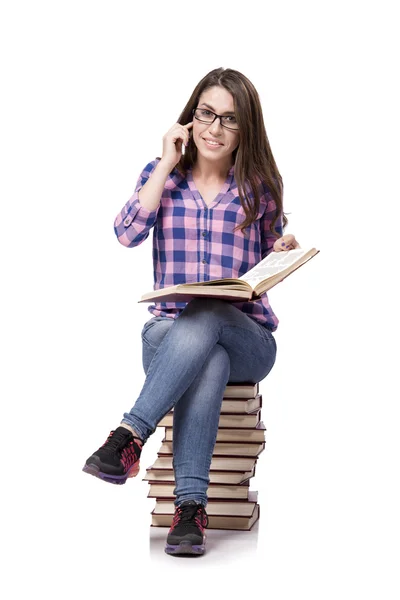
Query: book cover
<point x="218" y="463"/>
<point x="226" y="420"/>
<point x="156" y="474"/>
<point x="165" y="491"/>
<point x="266" y="274"/>
<point x="215" y="521"/>
<point x="241" y="405"/>
<point x="238" y="449"/>
<point x="241" y="390"/>
<point x="221" y="514"/>
<point x="231" y="435"/>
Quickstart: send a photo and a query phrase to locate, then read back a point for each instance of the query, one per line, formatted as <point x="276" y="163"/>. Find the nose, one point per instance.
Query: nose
<point x="216" y="127"/>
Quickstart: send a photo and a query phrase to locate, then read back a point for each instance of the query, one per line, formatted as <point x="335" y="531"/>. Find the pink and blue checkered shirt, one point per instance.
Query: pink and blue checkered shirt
<point x="194" y="242"/>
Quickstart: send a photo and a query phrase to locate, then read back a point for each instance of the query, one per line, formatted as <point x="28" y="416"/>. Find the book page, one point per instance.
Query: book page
<point x="271" y="265"/>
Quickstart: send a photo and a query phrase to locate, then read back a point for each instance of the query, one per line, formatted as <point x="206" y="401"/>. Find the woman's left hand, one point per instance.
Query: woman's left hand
<point x="286" y="242"/>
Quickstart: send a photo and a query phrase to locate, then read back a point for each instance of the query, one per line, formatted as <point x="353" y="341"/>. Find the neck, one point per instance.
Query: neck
<point x="206" y="169"/>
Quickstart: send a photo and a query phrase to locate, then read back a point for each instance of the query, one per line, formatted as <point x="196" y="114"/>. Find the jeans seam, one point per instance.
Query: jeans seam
<point x="148" y="343"/>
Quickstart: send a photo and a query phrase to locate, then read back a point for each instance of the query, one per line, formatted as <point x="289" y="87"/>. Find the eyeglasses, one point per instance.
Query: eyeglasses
<point x="207" y="116"/>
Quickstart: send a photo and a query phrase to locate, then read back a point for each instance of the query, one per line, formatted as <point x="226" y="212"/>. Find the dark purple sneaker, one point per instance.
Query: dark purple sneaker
<point x="186" y="535"/>
<point x="117" y="459"/>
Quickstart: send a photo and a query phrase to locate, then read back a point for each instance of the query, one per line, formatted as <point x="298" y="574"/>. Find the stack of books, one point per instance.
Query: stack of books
<point x="240" y="440"/>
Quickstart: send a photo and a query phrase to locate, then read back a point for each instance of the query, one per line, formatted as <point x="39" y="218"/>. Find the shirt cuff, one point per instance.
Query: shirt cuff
<point x="139" y="213"/>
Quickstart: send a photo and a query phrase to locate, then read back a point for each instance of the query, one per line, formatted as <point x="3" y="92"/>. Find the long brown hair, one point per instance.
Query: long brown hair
<point x="253" y="158"/>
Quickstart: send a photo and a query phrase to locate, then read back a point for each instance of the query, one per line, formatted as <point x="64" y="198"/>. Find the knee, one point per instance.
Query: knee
<point x="154" y="331"/>
<point x="153" y="334"/>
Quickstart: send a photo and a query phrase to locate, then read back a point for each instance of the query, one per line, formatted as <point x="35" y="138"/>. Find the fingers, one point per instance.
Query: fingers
<point x="174" y="140"/>
<point x="291" y="242"/>
<point x="180" y="132"/>
<point x="286" y="242"/>
<point x="187" y="128"/>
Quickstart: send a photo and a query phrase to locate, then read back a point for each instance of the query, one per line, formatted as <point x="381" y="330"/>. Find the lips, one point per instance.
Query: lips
<point x="213" y="143"/>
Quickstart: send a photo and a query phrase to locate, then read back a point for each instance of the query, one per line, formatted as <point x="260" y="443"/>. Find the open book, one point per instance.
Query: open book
<point x="268" y="272"/>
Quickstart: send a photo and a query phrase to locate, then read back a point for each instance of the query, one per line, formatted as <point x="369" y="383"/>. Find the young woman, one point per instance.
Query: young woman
<point x="216" y="211"/>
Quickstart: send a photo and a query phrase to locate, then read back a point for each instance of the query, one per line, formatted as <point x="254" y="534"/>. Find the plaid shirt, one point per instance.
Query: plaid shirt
<point x="193" y="242"/>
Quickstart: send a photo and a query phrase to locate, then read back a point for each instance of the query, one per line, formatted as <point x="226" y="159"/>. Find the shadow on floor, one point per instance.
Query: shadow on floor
<point x="218" y="541"/>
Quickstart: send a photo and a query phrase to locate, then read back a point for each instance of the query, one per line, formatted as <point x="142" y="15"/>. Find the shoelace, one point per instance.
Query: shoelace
<point x="115" y="441"/>
<point x="188" y="513"/>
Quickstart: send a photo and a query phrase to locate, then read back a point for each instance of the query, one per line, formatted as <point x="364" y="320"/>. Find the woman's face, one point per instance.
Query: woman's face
<point x="213" y="141"/>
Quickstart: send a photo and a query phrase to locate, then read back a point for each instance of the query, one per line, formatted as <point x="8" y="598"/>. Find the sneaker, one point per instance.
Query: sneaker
<point x="117" y="459"/>
<point x="186" y="535"/>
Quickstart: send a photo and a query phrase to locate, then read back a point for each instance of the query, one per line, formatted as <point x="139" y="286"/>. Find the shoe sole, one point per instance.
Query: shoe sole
<point x="185" y="548"/>
<point x="117" y="479"/>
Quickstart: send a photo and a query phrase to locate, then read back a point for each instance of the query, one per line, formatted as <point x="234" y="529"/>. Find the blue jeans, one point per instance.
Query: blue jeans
<point x="188" y="362"/>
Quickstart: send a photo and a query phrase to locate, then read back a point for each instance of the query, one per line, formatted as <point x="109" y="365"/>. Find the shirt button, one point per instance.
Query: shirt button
<point x="204" y="261"/>
<point x="128" y="221"/>
<point x="204" y="233"/>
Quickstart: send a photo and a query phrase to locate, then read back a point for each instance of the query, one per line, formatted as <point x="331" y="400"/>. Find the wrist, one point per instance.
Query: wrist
<point x="165" y="167"/>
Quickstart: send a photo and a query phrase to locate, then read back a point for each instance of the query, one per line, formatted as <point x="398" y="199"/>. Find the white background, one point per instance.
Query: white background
<point x="89" y="89"/>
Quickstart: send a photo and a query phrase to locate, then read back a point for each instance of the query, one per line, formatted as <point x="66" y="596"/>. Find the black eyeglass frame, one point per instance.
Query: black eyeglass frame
<point x="215" y="117"/>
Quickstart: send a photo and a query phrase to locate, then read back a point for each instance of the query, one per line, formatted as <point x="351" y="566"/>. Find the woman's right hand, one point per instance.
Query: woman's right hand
<point x="173" y="142"/>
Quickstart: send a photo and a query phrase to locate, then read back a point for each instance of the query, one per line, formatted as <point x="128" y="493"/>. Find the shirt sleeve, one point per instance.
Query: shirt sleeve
<point x="132" y="225"/>
<point x="267" y="237"/>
